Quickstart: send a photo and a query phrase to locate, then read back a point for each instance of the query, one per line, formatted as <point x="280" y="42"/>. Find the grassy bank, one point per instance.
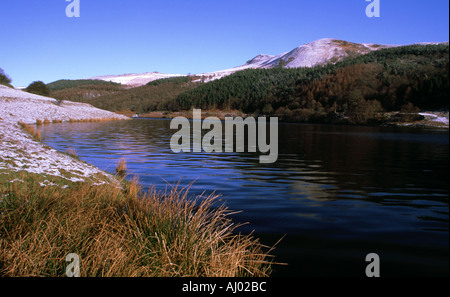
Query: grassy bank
<point x="119" y="231"/>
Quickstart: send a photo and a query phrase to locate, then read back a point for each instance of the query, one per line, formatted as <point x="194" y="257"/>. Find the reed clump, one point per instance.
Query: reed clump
<point x="121" y="231"/>
<point x="31" y="129"/>
<point x="121" y="168"/>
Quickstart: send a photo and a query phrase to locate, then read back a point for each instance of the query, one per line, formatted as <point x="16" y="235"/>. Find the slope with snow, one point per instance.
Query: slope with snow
<point x="319" y="52"/>
<point x="20" y="152"/>
<point x="17" y="105"/>
<point x="135" y="80"/>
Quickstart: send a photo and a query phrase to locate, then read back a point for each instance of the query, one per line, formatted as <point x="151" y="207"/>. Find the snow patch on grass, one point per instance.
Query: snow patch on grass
<point x="20" y="152"/>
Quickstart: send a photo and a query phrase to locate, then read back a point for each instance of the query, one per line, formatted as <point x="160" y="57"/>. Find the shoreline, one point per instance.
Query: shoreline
<point x="53" y="205"/>
<point x="423" y="119"/>
<point x="20" y="151"/>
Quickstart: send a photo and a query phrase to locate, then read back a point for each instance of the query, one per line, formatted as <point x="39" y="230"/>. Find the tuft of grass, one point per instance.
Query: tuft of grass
<point x="122" y="232"/>
<point x="46" y="121"/>
<point x="37" y="135"/>
<point x="39" y="122"/>
<point x="31" y="129"/>
<point x="72" y="152"/>
<point x="121" y="168"/>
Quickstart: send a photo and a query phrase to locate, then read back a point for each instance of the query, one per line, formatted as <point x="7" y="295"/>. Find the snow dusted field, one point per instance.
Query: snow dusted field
<point x="20" y="152"/>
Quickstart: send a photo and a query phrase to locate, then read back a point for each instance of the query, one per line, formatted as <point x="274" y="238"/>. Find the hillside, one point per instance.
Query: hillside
<point x="318" y="52"/>
<point x="327" y="80"/>
<point x="135" y="80"/>
<point x="358" y="88"/>
<point x="134" y="93"/>
<point x="153" y="96"/>
<point x="16" y="105"/>
<point x="19" y="152"/>
<point x="78" y="90"/>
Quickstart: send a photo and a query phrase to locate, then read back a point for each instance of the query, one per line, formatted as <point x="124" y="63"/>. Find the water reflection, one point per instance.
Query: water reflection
<point x="336" y="191"/>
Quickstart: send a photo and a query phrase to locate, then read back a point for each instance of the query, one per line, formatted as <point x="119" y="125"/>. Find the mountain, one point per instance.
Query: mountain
<point x="400" y="78"/>
<point x="322" y="51"/>
<point x="319" y="52"/>
<point x="352" y="86"/>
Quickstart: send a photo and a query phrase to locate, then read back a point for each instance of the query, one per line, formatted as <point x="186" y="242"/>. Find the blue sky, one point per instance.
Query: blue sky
<point x="39" y="42"/>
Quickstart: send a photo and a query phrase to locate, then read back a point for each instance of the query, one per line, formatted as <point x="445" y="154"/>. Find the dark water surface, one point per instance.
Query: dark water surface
<point x="336" y="193"/>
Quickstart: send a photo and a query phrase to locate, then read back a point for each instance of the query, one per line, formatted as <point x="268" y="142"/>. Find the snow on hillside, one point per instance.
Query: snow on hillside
<point x="20" y="152"/>
<point x="16" y="105"/>
<point x="135" y="80"/>
<point x="319" y="52"/>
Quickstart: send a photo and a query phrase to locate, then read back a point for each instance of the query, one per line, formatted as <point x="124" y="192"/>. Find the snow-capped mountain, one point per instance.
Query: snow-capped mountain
<point x="315" y="53"/>
<point x="319" y="52"/>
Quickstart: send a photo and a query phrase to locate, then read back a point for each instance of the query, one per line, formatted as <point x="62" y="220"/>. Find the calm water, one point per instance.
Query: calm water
<point x="336" y="193"/>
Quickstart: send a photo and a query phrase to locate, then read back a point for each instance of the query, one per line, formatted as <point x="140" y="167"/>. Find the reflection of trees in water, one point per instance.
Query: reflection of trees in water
<point x="367" y="157"/>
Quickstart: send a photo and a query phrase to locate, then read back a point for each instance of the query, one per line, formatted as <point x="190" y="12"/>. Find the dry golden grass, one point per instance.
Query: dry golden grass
<point x="122" y="232"/>
<point x="31" y="129"/>
<point x="121" y="168"/>
<point x="37" y="135"/>
<point x="39" y="122"/>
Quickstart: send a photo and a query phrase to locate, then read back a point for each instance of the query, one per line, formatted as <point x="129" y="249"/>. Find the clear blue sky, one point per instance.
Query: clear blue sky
<point x="38" y="41"/>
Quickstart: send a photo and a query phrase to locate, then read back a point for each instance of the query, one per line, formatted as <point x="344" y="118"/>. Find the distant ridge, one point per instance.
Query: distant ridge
<point x="134" y="79"/>
<point x="319" y="52"/>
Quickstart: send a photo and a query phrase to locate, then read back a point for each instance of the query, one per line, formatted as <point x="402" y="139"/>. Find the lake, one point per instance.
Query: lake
<point x="336" y="193"/>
